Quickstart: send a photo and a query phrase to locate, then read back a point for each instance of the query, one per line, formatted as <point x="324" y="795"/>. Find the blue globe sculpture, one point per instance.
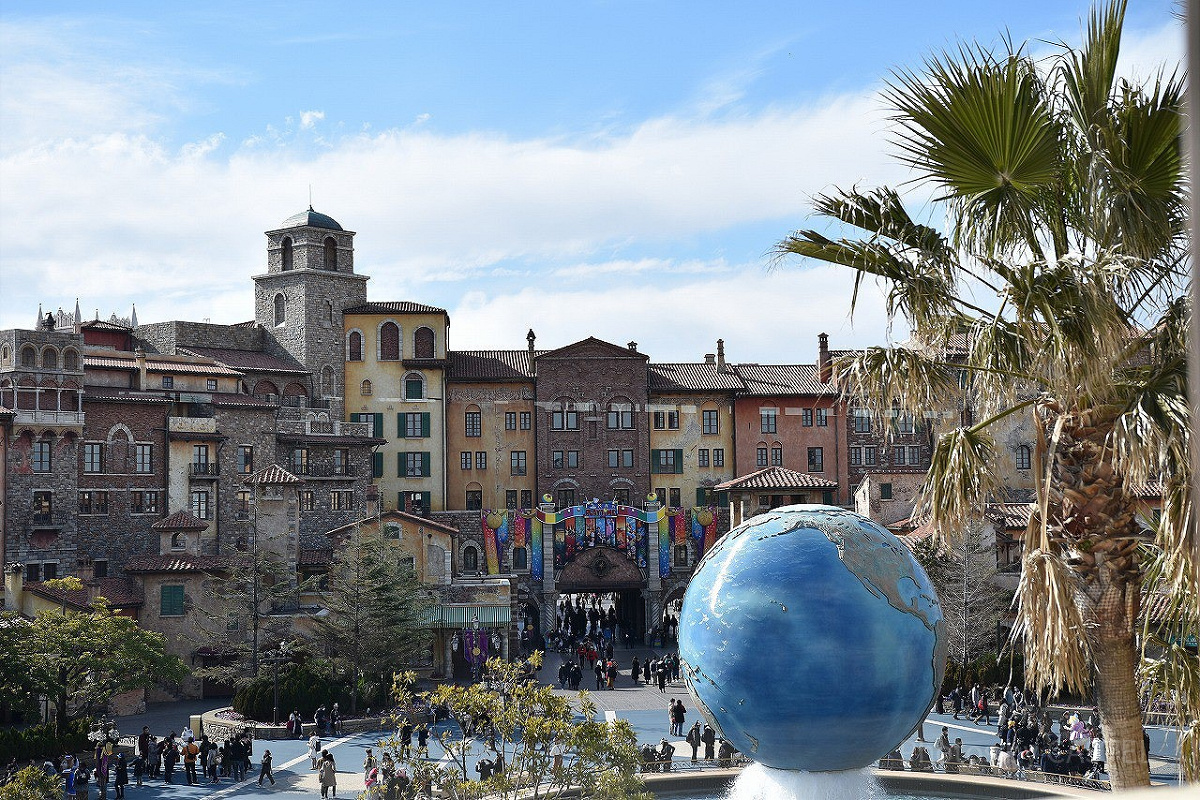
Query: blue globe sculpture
<point x="812" y="639"/>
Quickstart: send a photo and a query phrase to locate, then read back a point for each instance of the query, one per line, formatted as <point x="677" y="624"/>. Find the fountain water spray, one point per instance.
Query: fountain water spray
<point x="760" y="782"/>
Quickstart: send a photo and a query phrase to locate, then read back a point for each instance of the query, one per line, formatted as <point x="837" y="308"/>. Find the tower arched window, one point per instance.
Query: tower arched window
<point x="1024" y="457"/>
<point x="280" y="309"/>
<point x="355" y="347"/>
<point x="389" y="342"/>
<point x="287" y="252"/>
<point x="423" y="343"/>
<point x="470" y="558"/>
<point x="331" y="254"/>
<point x="365" y="388"/>
<point x="49" y="358"/>
<point x="71" y="361"/>
<point x="328" y="314"/>
<point x="28" y="356"/>
<point x="328" y="389"/>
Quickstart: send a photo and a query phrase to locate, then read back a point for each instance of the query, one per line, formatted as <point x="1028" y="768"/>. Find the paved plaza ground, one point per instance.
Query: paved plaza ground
<point x="645" y="707"/>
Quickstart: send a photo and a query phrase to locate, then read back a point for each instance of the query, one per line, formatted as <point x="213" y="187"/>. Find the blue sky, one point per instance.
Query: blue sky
<point x="587" y="168"/>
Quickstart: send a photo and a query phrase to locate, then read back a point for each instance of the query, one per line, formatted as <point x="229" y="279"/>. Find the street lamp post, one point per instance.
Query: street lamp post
<point x="277" y="657"/>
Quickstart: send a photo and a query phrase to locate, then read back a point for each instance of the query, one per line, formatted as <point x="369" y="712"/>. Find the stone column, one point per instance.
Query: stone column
<point x="448" y="655"/>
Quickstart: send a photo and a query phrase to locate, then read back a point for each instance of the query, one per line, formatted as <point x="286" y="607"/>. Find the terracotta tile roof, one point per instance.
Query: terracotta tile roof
<point x="412" y="519"/>
<point x="241" y="400"/>
<point x="180" y="521"/>
<point x="177" y="563"/>
<point x="271" y="476"/>
<point x="93" y="394"/>
<point x="157" y="362"/>
<point x="247" y="359"/>
<point x="490" y="365"/>
<point x="396" y="307"/>
<point x="103" y="325"/>
<point x="782" y="379"/>
<point x="328" y="439"/>
<point x="120" y="592"/>
<point x="777" y="478"/>
<point x="314" y="558"/>
<point x="693" y="377"/>
<point x="1013" y="516"/>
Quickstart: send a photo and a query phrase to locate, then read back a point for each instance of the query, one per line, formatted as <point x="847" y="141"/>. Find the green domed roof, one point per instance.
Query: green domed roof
<point x="311" y="219"/>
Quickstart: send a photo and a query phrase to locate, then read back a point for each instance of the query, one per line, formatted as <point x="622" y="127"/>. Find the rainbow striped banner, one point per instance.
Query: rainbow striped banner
<point x="536" y="570"/>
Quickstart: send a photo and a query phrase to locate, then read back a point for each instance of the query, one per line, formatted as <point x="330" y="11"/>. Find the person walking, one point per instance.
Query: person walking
<point x="943" y="746"/>
<point x="191" y="751"/>
<point x="693" y="739"/>
<point x="265" y="770"/>
<point x="635" y="669"/>
<point x="677" y="719"/>
<point x="314" y="750"/>
<point x="709" y="737"/>
<point x="369" y="763"/>
<point x="327" y="774"/>
<point x="423" y="741"/>
<point x="120" y="776"/>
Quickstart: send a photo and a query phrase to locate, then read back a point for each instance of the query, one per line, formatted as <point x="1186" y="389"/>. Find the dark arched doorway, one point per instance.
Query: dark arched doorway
<point x="607" y="570"/>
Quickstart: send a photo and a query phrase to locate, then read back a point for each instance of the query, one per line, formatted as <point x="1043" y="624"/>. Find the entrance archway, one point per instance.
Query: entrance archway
<point x="607" y="570"/>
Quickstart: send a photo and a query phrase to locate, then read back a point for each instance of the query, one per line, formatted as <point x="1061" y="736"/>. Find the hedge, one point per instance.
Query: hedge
<point x="41" y="742"/>
<point x="302" y="687"/>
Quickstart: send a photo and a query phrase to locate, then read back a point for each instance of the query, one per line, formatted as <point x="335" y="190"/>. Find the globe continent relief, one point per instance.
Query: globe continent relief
<point x="812" y="639"/>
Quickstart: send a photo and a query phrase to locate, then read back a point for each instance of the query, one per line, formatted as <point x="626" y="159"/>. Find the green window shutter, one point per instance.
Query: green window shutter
<point x="356" y="417"/>
<point x="401" y="428"/>
<point x="400" y="467"/>
<point x="171" y="601"/>
<point x="655" y="462"/>
<point x="378" y="425"/>
<point x="425" y="501"/>
<point x="377" y="465"/>
<point x="702" y="496"/>
<point x="827" y="498"/>
<point x="678" y="462"/>
<point x="425" y="424"/>
<point x="425" y="465"/>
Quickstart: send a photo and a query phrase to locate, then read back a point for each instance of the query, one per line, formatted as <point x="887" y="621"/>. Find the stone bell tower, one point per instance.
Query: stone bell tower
<point x="309" y="280"/>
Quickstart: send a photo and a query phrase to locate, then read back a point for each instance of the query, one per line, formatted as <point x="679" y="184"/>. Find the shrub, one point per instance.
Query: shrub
<point x="40" y="742"/>
<point x="303" y="687"/>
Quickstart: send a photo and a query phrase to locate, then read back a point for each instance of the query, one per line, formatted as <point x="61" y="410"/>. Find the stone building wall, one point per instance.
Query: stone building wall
<point x="165" y="337"/>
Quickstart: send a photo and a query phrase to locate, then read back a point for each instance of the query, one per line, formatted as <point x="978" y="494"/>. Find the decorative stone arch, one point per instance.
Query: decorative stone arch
<point x="29" y="356"/>
<point x="464" y="559"/>
<point x="354" y="344"/>
<point x="600" y="569"/>
<point x="280" y="312"/>
<point x="49" y="357"/>
<point x="264" y="388"/>
<point x="414" y="376"/>
<point x="388" y="340"/>
<point x="120" y="428"/>
<point x="70" y="360"/>
<point x="294" y="389"/>
<point x="424" y="343"/>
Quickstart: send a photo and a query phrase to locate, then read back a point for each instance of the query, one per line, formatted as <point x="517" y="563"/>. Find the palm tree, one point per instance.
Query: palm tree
<point x="1056" y="292"/>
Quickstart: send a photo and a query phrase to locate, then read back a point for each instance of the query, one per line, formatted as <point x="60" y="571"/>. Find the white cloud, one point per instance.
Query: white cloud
<point x="310" y="118"/>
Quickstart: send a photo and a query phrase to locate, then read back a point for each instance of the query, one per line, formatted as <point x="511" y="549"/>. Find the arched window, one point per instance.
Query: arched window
<point x="287" y="252"/>
<point x="178" y="541"/>
<point x="28" y="356"/>
<point x="1024" y="457"/>
<point x="365" y="388"/>
<point x="328" y="389"/>
<point x="520" y="558"/>
<point x="389" y="342"/>
<point x="328" y="314"/>
<point x="280" y="309"/>
<point x="414" y="386"/>
<point x="294" y="390"/>
<point x="777" y="455"/>
<point x="354" y="347"/>
<point x="470" y="558"/>
<point x="4" y="354"/>
<point x="331" y="254"/>
<point x="423" y="343"/>
<point x="71" y="361"/>
<point x="49" y="358"/>
<point x="264" y="388"/>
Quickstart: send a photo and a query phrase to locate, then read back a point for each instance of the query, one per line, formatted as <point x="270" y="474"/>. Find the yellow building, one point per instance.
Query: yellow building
<point x="396" y="380"/>
<point x="490" y="420"/>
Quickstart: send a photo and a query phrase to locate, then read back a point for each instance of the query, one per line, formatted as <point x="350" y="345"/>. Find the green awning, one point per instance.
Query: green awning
<point x="462" y="615"/>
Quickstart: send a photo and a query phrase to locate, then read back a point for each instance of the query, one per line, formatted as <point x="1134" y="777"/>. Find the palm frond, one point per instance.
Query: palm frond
<point x="1051" y="625"/>
<point x="960" y="480"/>
<point x="1088" y="73"/>
<point x="892" y="381"/>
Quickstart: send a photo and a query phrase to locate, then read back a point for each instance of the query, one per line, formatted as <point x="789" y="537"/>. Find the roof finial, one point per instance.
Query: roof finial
<point x="133" y="317"/>
<point x="310" y="208"/>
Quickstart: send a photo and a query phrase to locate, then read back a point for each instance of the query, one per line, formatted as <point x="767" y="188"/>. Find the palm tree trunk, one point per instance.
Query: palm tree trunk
<point x="1115" y="658"/>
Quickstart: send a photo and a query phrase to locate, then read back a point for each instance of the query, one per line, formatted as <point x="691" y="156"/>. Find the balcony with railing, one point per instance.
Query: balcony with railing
<point x="31" y="416"/>
<point x="48" y="519"/>
<point x="323" y="470"/>
<point x="206" y="469"/>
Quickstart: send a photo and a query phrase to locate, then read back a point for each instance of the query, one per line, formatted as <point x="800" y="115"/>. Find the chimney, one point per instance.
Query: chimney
<point x="721" y="354"/>
<point x="632" y="346"/>
<point x="14" y="586"/>
<point x="531" y="337"/>
<point x="823" y="359"/>
<point x="710" y="359"/>
<point x="139" y="358"/>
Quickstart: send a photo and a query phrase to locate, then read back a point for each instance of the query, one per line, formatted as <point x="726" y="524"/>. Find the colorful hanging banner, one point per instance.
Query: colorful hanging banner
<point x="664" y="547"/>
<point x="642" y="543"/>
<point x="536" y="570"/>
<point x="476" y="646"/>
<point x="489" y="544"/>
<point x="520" y="524"/>
<point x="560" y="546"/>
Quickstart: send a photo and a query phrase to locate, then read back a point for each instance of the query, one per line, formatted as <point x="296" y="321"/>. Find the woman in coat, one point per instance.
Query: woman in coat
<point x="327" y="774"/>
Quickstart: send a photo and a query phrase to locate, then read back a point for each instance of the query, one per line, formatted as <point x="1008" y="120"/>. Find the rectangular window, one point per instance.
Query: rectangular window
<point x="904" y="423"/>
<point x="660" y="494"/>
<point x="510" y="498"/>
<point x="414" y="502"/>
<point x="517" y="462"/>
<point x="481" y="459"/>
<point x="760" y="457"/>
<point x="869" y="456"/>
<point x="474" y="499"/>
<point x="300" y="460"/>
<point x="144" y="458"/>
<point x="100" y="502"/>
<point x="627" y="459"/>
<point x="414" y="465"/>
<point x="520" y="558"/>
<point x="556" y="459"/>
<point x="510" y="420"/>
<point x="885" y="491"/>
<point x="566" y="498"/>
<point x="414" y="389"/>
<point x="376" y="465"/>
<point x="768" y="420"/>
<point x="702" y="457"/>
<point x="100" y="568"/>
<point x="526" y="498"/>
<point x="374" y="423"/>
<point x="200" y="459"/>
<point x="816" y="459"/>
<point x="660" y="420"/>
<point x="143" y="501"/>
<point x="621" y="496"/>
<point x="242" y="509"/>
<point x="168" y="382"/>
<point x="710" y="422"/>
<point x="93" y="457"/>
<point x="681" y="556"/>
<point x="414" y="425"/>
<point x="563" y="419"/>
<point x="777" y="455"/>
<point x="211" y="384"/>
<point x="675" y="498"/>
<point x="171" y="601"/>
<point x="474" y="424"/>
<point x="200" y="504"/>
<point x="341" y="461"/>
<point x="245" y="459"/>
<point x="40" y="457"/>
<point x="341" y="499"/>
<point x="33" y="573"/>
<point x="806" y="417"/>
<point x="666" y="462"/>
<point x="822" y="417"/>
<point x="856" y="456"/>
<point x="914" y="455"/>
<point x="718" y="456"/>
<point x="898" y="456"/>
<point x="673" y="420"/>
<point x="43" y="506"/>
<point x="308" y="500"/>
<point x="862" y="420"/>
<point x="614" y="459"/>
<point x="572" y="459"/>
<point x="464" y="459"/>
<point x="526" y="420"/>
